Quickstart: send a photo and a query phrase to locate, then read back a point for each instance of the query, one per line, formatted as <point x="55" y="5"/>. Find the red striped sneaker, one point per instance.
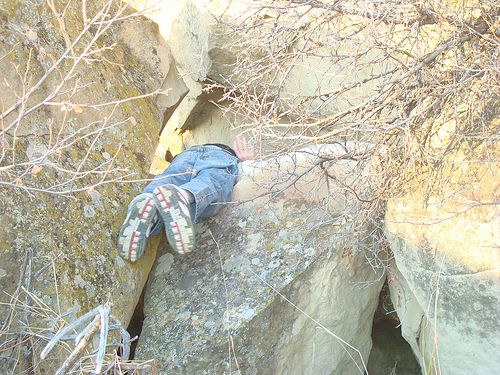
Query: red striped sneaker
<point x="174" y="210"/>
<point x="141" y="217"/>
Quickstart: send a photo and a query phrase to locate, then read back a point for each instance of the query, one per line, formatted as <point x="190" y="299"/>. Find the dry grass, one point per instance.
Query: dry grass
<point x="36" y="339"/>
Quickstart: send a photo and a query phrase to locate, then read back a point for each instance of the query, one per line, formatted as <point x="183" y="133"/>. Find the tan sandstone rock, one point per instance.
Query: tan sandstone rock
<point x="447" y="282"/>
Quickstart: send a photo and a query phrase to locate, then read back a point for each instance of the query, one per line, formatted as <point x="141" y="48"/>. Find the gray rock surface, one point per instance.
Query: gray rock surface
<point x="78" y="231"/>
<point x="217" y="309"/>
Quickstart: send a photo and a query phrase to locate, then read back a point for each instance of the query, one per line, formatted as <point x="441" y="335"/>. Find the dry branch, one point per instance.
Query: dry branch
<point x="49" y="81"/>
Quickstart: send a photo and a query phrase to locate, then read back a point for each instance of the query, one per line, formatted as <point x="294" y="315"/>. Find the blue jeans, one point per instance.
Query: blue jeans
<point x="207" y="172"/>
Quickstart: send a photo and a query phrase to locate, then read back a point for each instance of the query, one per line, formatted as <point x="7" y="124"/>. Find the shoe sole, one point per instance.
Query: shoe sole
<point x="135" y="230"/>
<point x="178" y="226"/>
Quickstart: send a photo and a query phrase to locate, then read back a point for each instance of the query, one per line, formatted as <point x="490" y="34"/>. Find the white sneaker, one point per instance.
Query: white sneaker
<point x="175" y="212"/>
<point x="141" y="217"/>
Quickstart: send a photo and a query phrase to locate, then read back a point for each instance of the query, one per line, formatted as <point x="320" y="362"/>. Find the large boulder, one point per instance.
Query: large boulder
<point x="60" y="201"/>
<point x="446" y="283"/>
<point x="276" y="284"/>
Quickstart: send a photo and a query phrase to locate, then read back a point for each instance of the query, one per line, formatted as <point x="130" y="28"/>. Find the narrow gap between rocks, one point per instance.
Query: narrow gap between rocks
<point x="135" y="325"/>
<point x="390" y="354"/>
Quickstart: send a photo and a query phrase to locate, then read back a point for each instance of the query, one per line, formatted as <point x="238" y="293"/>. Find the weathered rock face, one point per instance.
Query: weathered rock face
<point x="390" y="352"/>
<point x="77" y="230"/>
<point x="446" y="288"/>
<point x="218" y="309"/>
<point x="185" y="28"/>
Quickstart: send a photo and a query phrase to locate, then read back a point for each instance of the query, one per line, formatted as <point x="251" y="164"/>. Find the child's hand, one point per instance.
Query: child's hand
<point x="243" y="150"/>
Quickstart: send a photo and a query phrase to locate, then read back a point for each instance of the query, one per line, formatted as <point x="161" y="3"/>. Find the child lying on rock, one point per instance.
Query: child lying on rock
<point x="196" y="184"/>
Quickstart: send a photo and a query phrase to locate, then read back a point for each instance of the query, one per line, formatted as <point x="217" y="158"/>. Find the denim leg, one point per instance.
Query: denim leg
<point x="211" y="189"/>
<point x="207" y="172"/>
<point x="179" y="172"/>
<point x="213" y="184"/>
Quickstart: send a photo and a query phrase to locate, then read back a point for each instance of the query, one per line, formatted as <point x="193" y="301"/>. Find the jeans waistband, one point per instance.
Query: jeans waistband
<point x="223" y="147"/>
